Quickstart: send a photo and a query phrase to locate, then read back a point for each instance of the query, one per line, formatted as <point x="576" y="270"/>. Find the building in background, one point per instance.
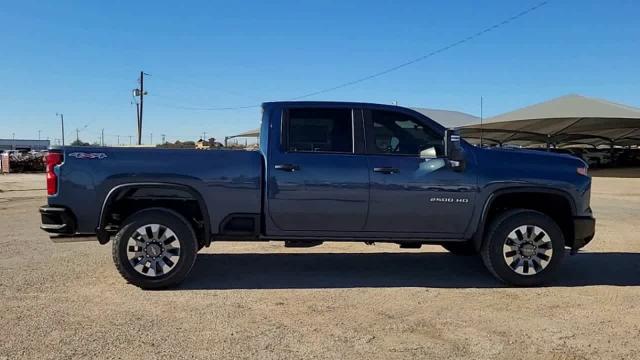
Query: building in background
<point x="22" y="144"/>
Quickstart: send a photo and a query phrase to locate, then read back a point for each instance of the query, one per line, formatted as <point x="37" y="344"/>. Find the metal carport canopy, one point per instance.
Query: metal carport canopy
<point x="567" y="119"/>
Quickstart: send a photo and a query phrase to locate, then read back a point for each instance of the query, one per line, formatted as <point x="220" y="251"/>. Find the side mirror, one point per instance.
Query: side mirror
<point x="453" y="149"/>
<point x="429" y="153"/>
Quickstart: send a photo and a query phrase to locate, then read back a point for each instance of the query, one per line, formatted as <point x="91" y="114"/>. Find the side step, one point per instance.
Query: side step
<point x="59" y="239"/>
<point x="410" y="245"/>
<point x="301" y="244"/>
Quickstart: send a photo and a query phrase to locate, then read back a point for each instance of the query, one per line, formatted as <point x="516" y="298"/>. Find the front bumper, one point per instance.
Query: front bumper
<point x="584" y="228"/>
<point x="57" y="220"/>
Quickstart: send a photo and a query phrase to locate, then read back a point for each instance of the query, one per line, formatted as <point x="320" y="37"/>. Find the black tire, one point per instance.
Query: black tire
<point x="495" y="258"/>
<point x="184" y="235"/>
<point x="461" y="248"/>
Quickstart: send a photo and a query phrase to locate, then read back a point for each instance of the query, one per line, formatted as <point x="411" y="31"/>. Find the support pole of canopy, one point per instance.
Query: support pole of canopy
<point x="548" y="141"/>
<point x="611" y="150"/>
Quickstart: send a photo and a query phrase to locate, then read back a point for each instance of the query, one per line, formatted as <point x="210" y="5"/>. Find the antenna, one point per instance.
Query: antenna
<point x="481" y="119"/>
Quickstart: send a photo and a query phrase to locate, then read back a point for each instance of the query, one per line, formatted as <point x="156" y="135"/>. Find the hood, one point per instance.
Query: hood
<point x="546" y="158"/>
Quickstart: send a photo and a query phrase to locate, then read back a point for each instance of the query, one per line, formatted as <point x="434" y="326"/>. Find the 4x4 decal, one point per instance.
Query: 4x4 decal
<point x="83" y="155"/>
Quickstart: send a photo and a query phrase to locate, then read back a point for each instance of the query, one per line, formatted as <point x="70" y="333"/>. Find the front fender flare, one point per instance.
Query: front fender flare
<point x="482" y="225"/>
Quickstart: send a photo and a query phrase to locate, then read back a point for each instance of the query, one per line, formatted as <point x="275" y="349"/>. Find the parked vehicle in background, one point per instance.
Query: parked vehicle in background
<point x="597" y="157"/>
<point x="627" y="157"/>
<point x="325" y="171"/>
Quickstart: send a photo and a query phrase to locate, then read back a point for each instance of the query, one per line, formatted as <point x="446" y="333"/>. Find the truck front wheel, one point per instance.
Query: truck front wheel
<point x="154" y="249"/>
<point x="523" y="247"/>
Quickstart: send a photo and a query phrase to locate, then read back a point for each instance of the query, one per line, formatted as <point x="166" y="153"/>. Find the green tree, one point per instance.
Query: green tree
<point x="79" y="142"/>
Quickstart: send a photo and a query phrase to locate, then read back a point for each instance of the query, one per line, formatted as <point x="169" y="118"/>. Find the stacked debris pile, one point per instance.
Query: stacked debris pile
<point x="32" y="161"/>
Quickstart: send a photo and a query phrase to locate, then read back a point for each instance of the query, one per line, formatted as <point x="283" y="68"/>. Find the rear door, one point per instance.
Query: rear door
<point x="317" y="181"/>
<point x="413" y="190"/>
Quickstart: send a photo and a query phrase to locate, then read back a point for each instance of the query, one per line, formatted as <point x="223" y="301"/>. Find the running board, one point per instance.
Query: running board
<point x="410" y="245"/>
<point x="59" y="239"/>
<point x="301" y="244"/>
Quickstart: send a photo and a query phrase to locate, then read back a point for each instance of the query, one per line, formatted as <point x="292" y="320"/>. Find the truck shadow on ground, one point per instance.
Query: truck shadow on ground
<point x="388" y="270"/>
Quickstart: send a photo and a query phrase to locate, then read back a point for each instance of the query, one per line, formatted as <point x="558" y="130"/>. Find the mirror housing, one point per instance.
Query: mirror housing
<point x="453" y="149"/>
<point x="429" y="153"/>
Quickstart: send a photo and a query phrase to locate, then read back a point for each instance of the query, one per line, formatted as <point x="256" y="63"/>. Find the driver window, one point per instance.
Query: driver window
<point x="399" y="134"/>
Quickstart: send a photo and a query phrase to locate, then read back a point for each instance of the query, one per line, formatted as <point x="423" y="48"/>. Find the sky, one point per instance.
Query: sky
<point x="83" y="58"/>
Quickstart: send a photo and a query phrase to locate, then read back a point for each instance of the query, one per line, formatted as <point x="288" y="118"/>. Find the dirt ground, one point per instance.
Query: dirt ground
<point x="335" y="301"/>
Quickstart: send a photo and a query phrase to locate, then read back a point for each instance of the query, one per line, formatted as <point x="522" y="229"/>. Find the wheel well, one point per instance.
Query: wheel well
<point x="126" y="201"/>
<point x="553" y="205"/>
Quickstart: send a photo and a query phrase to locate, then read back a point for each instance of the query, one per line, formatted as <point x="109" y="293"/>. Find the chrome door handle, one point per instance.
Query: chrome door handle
<point x="287" y="167"/>
<point x="386" y="170"/>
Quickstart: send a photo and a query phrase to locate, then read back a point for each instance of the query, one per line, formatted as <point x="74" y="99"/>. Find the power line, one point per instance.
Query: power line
<point x="426" y="56"/>
<point x="191" y="84"/>
<point x="387" y="70"/>
<point x="196" y="108"/>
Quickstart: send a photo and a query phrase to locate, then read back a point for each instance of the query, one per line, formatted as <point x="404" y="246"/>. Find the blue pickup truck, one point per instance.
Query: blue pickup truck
<point x="325" y="171"/>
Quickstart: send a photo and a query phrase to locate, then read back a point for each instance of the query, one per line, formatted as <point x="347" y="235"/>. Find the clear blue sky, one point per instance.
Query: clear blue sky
<point x="82" y="58"/>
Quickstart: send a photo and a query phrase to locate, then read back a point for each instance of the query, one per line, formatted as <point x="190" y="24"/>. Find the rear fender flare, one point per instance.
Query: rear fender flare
<point x="103" y="236"/>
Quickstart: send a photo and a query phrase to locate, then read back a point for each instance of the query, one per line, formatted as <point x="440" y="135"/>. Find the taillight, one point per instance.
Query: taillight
<point x="582" y="171"/>
<point x="53" y="159"/>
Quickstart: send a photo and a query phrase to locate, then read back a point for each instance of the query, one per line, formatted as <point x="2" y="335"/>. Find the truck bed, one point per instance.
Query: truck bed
<point x="229" y="181"/>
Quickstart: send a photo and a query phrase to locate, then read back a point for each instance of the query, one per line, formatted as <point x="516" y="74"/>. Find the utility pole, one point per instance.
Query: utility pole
<point x="130" y="139"/>
<point x="62" y="123"/>
<point x="39" y="134"/>
<point x="481" y="119"/>
<point x="102" y="137"/>
<point x="13" y="141"/>
<point x="118" y="139"/>
<point x="163" y="136"/>
<point x="77" y="135"/>
<point x="150" y="138"/>
<point x="204" y="135"/>
<point x="140" y="106"/>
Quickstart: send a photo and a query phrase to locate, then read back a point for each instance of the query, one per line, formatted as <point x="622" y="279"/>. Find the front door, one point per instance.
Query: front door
<point x="316" y="182"/>
<point x="413" y="190"/>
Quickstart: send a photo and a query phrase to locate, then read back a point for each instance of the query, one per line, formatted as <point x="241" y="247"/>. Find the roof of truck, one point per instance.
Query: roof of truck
<point x="445" y="118"/>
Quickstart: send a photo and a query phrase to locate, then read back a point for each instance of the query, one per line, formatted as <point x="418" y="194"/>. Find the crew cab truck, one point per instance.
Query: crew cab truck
<point x="325" y="171"/>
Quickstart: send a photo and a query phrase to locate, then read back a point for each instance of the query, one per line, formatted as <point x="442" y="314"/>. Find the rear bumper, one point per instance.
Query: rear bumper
<point x="584" y="228"/>
<point x="57" y="220"/>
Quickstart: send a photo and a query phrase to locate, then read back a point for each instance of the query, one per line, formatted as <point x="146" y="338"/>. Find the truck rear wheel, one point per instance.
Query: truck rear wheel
<point x="156" y="248"/>
<point x="523" y="248"/>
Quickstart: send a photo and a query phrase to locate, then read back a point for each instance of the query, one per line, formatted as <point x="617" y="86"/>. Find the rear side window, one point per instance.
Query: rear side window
<point x="320" y="130"/>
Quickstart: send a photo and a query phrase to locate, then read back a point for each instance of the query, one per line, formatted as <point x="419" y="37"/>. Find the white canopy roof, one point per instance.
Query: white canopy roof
<point x="448" y="118"/>
<point x="248" y="133"/>
<point x="565" y="120"/>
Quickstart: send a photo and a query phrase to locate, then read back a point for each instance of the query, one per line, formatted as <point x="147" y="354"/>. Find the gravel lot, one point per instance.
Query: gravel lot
<point x="335" y="301"/>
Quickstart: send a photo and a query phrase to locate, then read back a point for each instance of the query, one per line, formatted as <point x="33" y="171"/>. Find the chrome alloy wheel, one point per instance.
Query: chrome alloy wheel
<point x="527" y="250"/>
<point x="153" y="250"/>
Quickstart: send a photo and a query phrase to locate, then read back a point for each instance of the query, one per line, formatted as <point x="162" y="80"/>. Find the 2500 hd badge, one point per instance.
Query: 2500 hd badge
<point x="449" y="200"/>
